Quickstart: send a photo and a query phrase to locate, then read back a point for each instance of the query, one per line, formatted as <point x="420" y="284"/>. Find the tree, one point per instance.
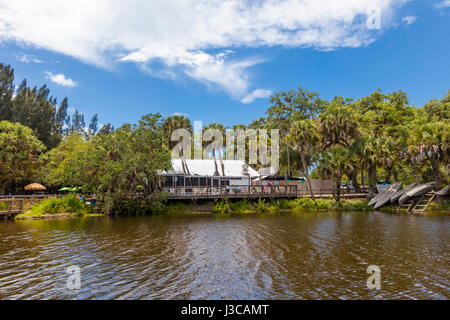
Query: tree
<point x="173" y="123"/>
<point x="62" y="117"/>
<point x="78" y="124"/>
<point x="106" y="129"/>
<point x="338" y="124"/>
<point x="35" y="109"/>
<point x="339" y="130"/>
<point x="285" y="107"/>
<point x="93" y="125"/>
<point x="63" y="165"/>
<point x="6" y="91"/>
<point x="112" y="164"/>
<point x="19" y="153"/>
<point x="219" y="127"/>
<point x="439" y="109"/>
<point x="304" y="137"/>
<point x="431" y="141"/>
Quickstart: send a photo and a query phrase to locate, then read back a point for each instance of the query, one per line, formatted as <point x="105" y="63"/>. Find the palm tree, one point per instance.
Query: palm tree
<point x="171" y="124"/>
<point x="339" y="130"/>
<point x="338" y="124"/>
<point x="222" y="130"/>
<point x="304" y="137"/>
<point x="431" y="141"/>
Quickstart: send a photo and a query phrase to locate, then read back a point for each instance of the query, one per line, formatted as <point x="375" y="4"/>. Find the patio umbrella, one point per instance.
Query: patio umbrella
<point x="35" y="187"/>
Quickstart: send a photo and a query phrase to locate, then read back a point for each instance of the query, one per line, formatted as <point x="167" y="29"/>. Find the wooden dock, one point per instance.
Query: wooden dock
<point x="10" y="206"/>
<point x="254" y="192"/>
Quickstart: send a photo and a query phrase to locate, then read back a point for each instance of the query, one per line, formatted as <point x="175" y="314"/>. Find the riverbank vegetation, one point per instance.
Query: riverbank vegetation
<point x="69" y="205"/>
<point x="374" y="138"/>
<point x="285" y="205"/>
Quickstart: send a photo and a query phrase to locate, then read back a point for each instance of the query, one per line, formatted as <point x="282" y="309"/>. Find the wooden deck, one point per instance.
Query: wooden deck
<point x="254" y="192"/>
<point x="15" y="205"/>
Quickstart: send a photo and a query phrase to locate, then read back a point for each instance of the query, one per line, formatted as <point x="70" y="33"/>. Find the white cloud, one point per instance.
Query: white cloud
<point x="61" y="79"/>
<point x="189" y="38"/>
<point x="28" y="59"/>
<point x="410" y="19"/>
<point x="181" y="114"/>
<point x="256" y="94"/>
<point x="443" y="4"/>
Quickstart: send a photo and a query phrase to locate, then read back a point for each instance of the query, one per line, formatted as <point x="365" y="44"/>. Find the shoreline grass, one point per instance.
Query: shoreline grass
<point x="68" y="206"/>
<point x="284" y="205"/>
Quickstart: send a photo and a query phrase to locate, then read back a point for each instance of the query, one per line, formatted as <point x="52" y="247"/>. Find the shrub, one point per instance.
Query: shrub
<point x="221" y="206"/>
<point x="439" y="206"/>
<point x="262" y="205"/>
<point x="242" y="206"/>
<point x="4" y="206"/>
<point x="303" y="203"/>
<point x="69" y="204"/>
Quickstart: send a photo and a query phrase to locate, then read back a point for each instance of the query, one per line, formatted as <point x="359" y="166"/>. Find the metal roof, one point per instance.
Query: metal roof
<point x="233" y="168"/>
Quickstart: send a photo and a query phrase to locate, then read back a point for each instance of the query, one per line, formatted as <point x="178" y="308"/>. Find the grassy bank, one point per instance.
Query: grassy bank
<point x="433" y="207"/>
<point x="67" y="206"/>
<point x="284" y="205"/>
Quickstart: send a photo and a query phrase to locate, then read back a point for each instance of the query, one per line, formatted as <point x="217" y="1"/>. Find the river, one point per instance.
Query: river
<point x="304" y="256"/>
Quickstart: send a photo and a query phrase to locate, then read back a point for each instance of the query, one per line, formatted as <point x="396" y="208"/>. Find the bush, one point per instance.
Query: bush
<point x="69" y="204"/>
<point x="262" y="205"/>
<point x="222" y="206"/>
<point x="242" y="206"/>
<point x="330" y="204"/>
<point x="439" y="206"/>
<point x="4" y="206"/>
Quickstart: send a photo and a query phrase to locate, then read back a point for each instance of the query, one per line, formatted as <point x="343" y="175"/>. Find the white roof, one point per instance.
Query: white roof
<point x="233" y="168"/>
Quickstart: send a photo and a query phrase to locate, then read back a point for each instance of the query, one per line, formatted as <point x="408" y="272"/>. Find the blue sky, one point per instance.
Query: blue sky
<point x="207" y="59"/>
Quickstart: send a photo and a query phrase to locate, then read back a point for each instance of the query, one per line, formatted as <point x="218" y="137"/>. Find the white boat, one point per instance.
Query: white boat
<point x="401" y="192"/>
<point x="387" y="197"/>
<point x="416" y="191"/>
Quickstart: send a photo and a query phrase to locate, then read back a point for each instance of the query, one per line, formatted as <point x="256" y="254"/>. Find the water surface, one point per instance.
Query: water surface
<point x="307" y="256"/>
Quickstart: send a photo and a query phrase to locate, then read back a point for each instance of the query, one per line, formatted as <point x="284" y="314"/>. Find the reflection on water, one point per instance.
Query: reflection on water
<point x="310" y="256"/>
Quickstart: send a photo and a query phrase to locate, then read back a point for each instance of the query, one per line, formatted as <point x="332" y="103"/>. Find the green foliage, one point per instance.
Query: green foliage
<point x="69" y="204"/>
<point x="4" y="206"/>
<point x="262" y="206"/>
<point x="112" y="164"/>
<point x="242" y="206"/>
<point x="302" y="204"/>
<point x="19" y="153"/>
<point x="222" y="206"/>
<point x="439" y="206"/>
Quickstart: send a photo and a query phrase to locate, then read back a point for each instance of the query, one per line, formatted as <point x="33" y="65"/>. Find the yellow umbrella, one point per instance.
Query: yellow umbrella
<point x="35" y="187"/>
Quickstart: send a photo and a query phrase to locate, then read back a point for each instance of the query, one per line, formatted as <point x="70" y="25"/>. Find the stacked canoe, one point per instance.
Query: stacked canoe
<point x="396" y="194"/>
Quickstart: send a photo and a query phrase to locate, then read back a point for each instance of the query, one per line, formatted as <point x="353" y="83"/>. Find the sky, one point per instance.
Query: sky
<point x="221" y="60"/>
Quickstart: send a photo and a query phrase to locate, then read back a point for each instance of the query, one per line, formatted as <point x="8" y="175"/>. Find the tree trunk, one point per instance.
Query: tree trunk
<point x="338" y="188"/>
<point x="373" y="175"/>
<point x="288" y="160"/>
<point x="355" y="182"/>
<point x="215" y="163"/>
<point x="3" y="188"/>
<point x="305" y="168"/>
<point x="416" y="175"/>
<point x="437" y="181"/>
<point x="362" y="175"/>
<point x="388" y="175"/>
<point x="395" y="173"/>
